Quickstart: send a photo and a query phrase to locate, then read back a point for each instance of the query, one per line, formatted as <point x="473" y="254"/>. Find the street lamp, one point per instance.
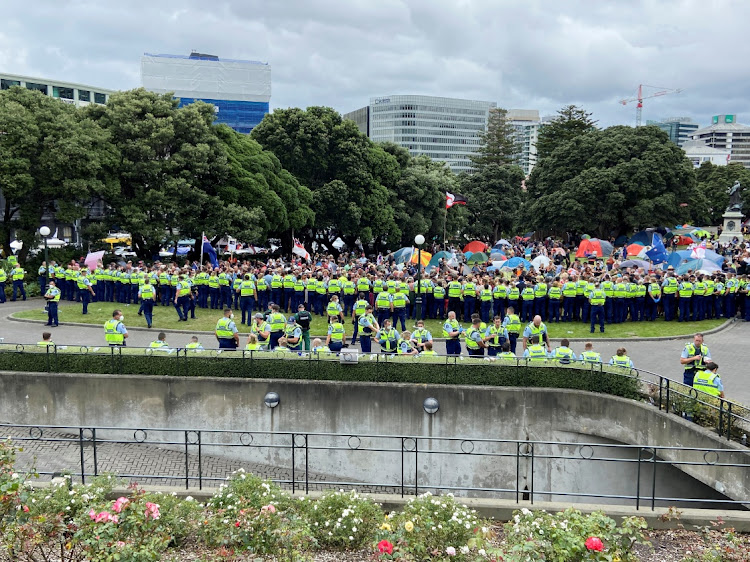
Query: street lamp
<point x="419" y="240"/>
<point x="44" y="231"/>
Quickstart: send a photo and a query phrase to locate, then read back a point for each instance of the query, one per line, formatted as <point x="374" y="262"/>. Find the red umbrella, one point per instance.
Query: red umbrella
<point x="475" y="246"/>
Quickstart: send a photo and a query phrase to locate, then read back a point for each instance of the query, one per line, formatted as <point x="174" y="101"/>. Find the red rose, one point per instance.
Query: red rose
<point x="594" y="543"/>
<point x="385" y="547"/>
<point x="237" y="524"/>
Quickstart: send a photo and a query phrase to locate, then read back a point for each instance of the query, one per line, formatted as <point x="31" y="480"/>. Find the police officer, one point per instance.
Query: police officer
<point x="495" y="336"/>
<point x="475" y="344"/>
<point x="336" y="334"/>
<point x="400" y="302"/>
<point x="247" y="294"/>
<point x="563" y="354"/>
<point x="293" y="334"/>
<point x="707" y="380"/>
<point x="115" y="332"/>
<point x="369" y="327"/>
<point x="147" y="294"/>
<point x="669" y="291"/>
<point x="3" y="279"/>
<point x="597" y="300"/>
<point x="85" y="291"/>
<point x="261" y="330"/>
<point x="182" y="298"/>
<point x="685" y="292"/>
<point x="17" y="274"/>
<point x="452" y="332"/>
<point x="420" y="336"/>
<point x="52" y="296"/>
<point x="388" y="337"/>
<point x="589" y="355"/>
<point x="512" y="323"/>
<point x="358" y="310"/>
<point x="536" y="351"/>
<point x="276" y="322"/>
<point x="304" y="318"/>
<point x="694" y="357"/>
<point x="536" y="328"/>
<point x="226" y="331"/>
<point x="621" y="359"/>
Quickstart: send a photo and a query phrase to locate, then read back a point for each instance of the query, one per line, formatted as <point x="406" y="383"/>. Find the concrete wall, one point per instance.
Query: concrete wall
<point x="360" y="409"/>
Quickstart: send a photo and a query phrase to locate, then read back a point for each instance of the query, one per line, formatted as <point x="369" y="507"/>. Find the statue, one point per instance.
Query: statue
<point x="735" y="197"/>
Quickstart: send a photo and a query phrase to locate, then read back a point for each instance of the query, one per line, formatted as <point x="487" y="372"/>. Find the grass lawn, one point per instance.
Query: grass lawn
<point x="166" y="318"/>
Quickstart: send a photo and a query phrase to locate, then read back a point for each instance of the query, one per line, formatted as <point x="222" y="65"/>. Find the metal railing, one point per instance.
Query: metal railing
<point x="729" y="419"/>
<point x="400" y="464"/>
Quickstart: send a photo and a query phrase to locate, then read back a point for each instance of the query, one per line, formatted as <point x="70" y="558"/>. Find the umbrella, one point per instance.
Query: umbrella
<point x="479" y="257"/>
<point x="515" y="262"/>
<point x="695" y="265"/>
<point x="497" y="264"/>
<point x="92" y="259"/>
<point x="497" y="255"/>
<point x="436" y="258"/>
<point x="502" y="242"/>
<point x="475" y="246"/>
<point x="588" y="247"/>
<point x="636" y="263"/>
<point x="402" y="255"/>
<point x="540" y="261"/>
<point x="586" y="237"/>
<point x="426" y="257"/>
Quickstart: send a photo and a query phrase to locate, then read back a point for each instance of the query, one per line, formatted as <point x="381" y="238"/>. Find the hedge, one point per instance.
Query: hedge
<point x="375" y="368"/>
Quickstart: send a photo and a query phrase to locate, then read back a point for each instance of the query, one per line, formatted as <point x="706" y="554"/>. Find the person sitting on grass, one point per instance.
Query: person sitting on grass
<point x="404" y="344"/>
<point x="282" y="345"/>
<point x="428" y="351"/>
<point x="318" y="347"/>
<point x="194" y="344"/>
<point x="160" y="343"/>
<point x="252" y="343"/>
<point x="621" y="359"/>
<point x="46" y="340"/>
<point x="506" y="353"/>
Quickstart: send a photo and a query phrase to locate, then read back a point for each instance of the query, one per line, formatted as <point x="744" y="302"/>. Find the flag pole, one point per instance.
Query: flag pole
<point x="203" y="235"/>
<point x="445" y="221"/>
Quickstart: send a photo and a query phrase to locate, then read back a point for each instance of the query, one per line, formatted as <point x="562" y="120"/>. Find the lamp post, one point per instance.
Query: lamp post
<point x="44" y="231"/>
<point x="419" y="240"/>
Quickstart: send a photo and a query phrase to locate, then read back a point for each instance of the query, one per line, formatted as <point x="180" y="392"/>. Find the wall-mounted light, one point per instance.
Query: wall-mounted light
<point x="271" y="399"/>
<point x="431" y="405"/>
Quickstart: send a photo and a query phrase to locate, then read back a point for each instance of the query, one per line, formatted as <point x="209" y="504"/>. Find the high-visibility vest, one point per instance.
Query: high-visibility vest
<point x="334" y="286"/>
<point x="563" y="354"/>
<point x="706" y="381"/>
<point x="554" y="293"/>
<point x="261" y="285"/>
<point x="3" y="276"/>
<point x="514" y="324"/>
<point x="359" y="307"/>
<point x="499" y="291"/>
<point x="246" y="288"/>
<point x="17" y="273"/>
<point x="640" y="291"/>
<point x="299" y="286"/>
<point x="276" y="282"/>
<point x="337" y="332"/>
<point x="46" y="344"/>
<point x="147" y="292"/>
<point x="257" y="330"/>
<point x="671" y="287"/>
<point x="454" y="289"/>
<point x="621" y="361"/>
<point x="363" y="285"/>
<point x="497" y="334"/>
<point x="111" y="335"/>
<point x="288" y="282"/>
<point x="420" y="335"/>
<point x="569" y="289"/>
<point x="710" y="285"/>
<point x="320" y="287"/>
<point x="399" y="300"/>
<point x="389" y="338"/>
<point x="183" y="289"/>
<point x="537" y="352"/>
<point x="609" y="288"/>
<point x="514" y="293"/>
<point x="349" y="288"/>
<point x="621" y="291"/>
<point x="157" y="344"/>
<point x="470" y="343"/>
<point x="332" y="309"/>
<point x="438" y="292"/>
<point x="654" y="290"/>
<point x="540" y="290"/>
<point x="377" y="286"/>
<point x="631" y="289"/>
<point x="54" y="292"/>
<point x="597" y="297"/>
<point x="485" y="295"/>
<point x="252" y="346"/>
<point x="454" y="325"/>
<point x="428" y="353"/>
<point x="222" y="328"/>
<point x="213" y="282"/>
<point x="507" y="355"/>
<point x="277" y="322"/>
<point x="81" y="282"/>
<point x="542" y="329"/>
<point x="193" y="345"/>
<point x="580" y="286"/>
<point x="691" y="352"/>
<point x="686" y="290"/>
<point x="391" y="286"/>
<point x="528" y="293"/>
<point x="470" y="290"/>
<point x="383" y="301"/>
<point x="591" y="357"/>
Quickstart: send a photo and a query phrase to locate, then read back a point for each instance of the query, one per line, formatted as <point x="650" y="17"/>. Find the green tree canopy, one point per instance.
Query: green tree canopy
<point x="494" y="200"/>
<point x="609" y="182"/>
<point x="498" y="143"/>
<point x="571" y="121"/>
<point x="52" y="160"/>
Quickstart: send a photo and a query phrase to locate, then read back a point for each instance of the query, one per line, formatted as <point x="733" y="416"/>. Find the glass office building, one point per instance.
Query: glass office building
<point x="445" y="129"/>
<point x="679" y="129"/>
<point x="67" y="92"/>
<point x="239" y="90"/>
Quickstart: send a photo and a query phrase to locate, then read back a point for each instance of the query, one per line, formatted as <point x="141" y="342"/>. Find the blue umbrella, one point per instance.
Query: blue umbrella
<point x="695" y="265"/>
<point x="515" y="262"/>
<point x="403" y="255"/>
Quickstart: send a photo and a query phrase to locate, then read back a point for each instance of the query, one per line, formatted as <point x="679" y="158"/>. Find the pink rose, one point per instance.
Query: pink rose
<point x="92" y="514"/>
<point x="104" y="516"/>
<point x="152" y="510"/>
<point x="119" y="504"/>
<point x="270" y="508"/>
<point x="450" y="551"/>
<point x="594" y="543"/>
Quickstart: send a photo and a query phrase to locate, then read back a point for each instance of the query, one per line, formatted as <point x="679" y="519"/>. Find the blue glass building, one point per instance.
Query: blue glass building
<point x="239" y="90"/>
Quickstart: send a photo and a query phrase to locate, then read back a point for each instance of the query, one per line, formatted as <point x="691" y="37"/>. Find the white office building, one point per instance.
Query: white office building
<point x="726" y="134"/>
<point x="699" y="152"/>
<point x="66" y="92"/>
<point x="445" y="129"/>
<point x="526" y="123"/>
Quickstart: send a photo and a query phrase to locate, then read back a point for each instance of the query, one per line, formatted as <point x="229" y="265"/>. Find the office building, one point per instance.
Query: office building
<point x="679" y="129"/>
<point x="444" y="129"/>
<point x="239" y="90"/>
<point x="726" y="134"/>
<point x="526" y="123"/>
<point x="699" y="152"/>
<point x="67" y="92"/>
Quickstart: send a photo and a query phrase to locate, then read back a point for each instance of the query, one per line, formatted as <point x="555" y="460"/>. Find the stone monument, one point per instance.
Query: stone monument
<point x="733" y="215"/>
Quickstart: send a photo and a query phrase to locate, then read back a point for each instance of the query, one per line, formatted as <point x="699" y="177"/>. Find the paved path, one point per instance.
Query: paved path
<point x="56" y="451"/>
<point x="728" y="347"/>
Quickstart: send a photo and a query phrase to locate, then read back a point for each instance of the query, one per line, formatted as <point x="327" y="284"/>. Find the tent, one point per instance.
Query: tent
<point x="403" y="255"/>
<point x="588" y="247"/>
<point x="700" y="233"/>
<point x="497" y="255"/>
<point x="634" y="249"/>
<point x="475" y="246"/>
<point x="705" y="266"/>
<point x="621" y="241"/>
<point x="636" y="263"/>
<point x="540" y="261"/>
<point x="500" y="243"/>
<point x="479" y="257"/>
<point x="517" y="262"/>
<point x="644" y="238"/>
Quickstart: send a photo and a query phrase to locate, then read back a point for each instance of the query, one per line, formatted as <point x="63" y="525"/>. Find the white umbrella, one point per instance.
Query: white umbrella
<point x="16" y="245"/>
<point x="540" y="261"/>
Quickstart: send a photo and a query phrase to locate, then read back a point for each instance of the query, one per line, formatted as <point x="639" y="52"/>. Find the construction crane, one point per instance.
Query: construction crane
<point x="640" y="97"/>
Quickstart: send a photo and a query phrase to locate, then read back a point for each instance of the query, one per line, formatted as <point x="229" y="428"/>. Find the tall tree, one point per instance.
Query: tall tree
<point x="499" y="144"/>
<point x="494" y="200"/>
<point x="712" y="195"/>
<point x="609" y="182"/>
<point x="52" y="160"/>
<point x="571" y="122"/>
<point x="173" y="172"/>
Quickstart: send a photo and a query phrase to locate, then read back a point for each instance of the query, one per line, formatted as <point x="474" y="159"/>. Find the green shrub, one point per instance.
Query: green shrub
<point x="342" y="520"/>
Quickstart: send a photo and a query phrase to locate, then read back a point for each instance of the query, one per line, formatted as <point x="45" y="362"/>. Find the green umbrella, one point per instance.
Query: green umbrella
<point x="479" y="257"/>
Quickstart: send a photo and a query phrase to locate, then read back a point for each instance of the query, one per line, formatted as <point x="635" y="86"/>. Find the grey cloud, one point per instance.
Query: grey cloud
<point x="531" y="54"/>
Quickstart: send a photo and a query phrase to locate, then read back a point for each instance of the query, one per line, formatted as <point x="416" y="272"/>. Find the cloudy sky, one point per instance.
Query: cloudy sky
<point x="534" y="54"/>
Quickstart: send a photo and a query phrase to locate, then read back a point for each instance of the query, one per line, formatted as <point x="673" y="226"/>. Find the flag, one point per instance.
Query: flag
<point x="299" y="250"/>
<point x="657" y="253"/>
<point x="93" y="258"/>
<point x="698" y="251"/>
<point x="209" y="250"/>
<point x="451" y="199"/>
<point x="729" y="157"/>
